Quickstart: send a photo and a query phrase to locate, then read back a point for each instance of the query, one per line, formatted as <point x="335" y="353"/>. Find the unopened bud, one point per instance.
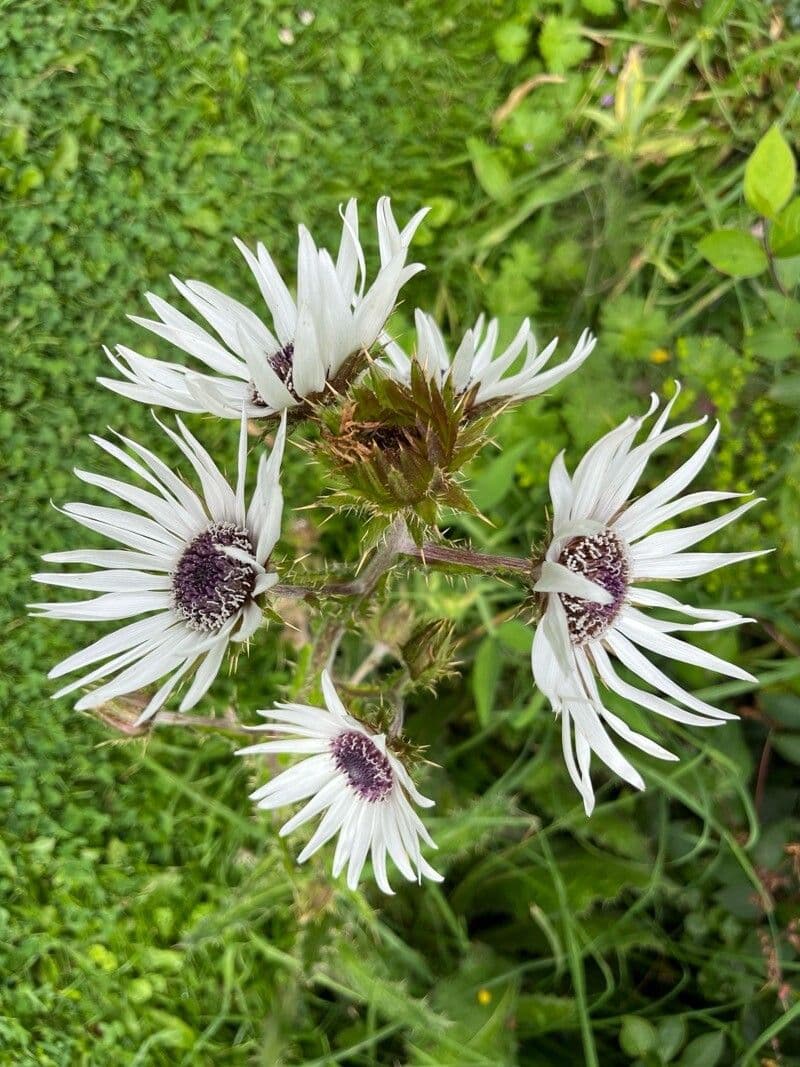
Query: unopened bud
<point x="428" y="654"/>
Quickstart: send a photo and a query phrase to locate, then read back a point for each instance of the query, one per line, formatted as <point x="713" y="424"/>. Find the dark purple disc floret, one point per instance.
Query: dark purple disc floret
<point x="209" y="586"/>
<point x="602" y="559"/>
<point x="366" y="768"/>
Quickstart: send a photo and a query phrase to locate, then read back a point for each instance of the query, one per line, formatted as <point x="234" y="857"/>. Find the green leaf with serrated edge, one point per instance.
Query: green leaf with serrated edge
<point x="784" y="234"/>
<point x="562" y="44"/>
<point x="511" y="41"/>
<point x="770" y="174"/>
<point x="734" y="252"/>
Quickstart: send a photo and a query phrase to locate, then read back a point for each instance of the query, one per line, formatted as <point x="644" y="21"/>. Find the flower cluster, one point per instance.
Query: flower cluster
<point x="194" y="570"/>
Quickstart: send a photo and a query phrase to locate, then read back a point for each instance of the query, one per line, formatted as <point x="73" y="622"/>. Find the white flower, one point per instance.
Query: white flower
<point x="353" y="777"/>
<point x="192" y="565"/>
<point x="602" y="549"/>
<point x="311" y="340"/>
<point x="475" y="364"/>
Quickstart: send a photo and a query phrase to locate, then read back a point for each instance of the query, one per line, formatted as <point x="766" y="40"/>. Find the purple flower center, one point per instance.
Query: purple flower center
<point x="367" y="770"/>
<point x="282" y="362"/>
<point x="208" y="586"/>
<point x="601" y="558"/>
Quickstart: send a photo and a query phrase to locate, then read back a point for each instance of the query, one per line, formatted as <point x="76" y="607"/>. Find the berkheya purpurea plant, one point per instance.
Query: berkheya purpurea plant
<point x="194" y="576"/>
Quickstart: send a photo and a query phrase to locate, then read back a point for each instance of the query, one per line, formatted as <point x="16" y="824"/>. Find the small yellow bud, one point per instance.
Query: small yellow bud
<point x="484" y="997"/>
<point x="660" y="355"/>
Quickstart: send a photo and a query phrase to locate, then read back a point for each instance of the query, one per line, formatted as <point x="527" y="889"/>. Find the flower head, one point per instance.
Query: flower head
<point x="193" y="566"/>
<point x="315" y="341"/>
<point x="352" y="776"/>
<point x="476" y="365"/>
<point x="602" y="548"/>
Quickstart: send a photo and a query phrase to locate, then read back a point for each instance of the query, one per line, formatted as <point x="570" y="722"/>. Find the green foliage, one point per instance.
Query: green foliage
<point x="148" y="916"/>
<point x="769" y="175"/>
<point x="735" y="253"/>
<point x="561" y="44"/>
<point x="632" y="329"/>
<point x="769" y="179"/>
<point x="786" y="231"/>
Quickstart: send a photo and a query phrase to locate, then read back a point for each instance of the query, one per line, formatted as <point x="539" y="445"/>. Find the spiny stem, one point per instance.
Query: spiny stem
<point x="394" y="544"/>
<point x="396" y="725"/>
<point x="130" y="728"/>
<point x="465" y="557"/>
<point x="360" y="587"/>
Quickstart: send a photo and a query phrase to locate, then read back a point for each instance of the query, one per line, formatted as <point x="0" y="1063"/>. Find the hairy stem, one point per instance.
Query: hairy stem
<point x="464" y="557"/>
<point x="399" y="543"/>
<point x="393" y="545"/>
<point x="359" y="587"/>
<point x="130" y="728"/>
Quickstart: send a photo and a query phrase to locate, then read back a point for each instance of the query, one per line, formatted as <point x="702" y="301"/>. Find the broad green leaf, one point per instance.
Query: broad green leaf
<point x="734" y="252"/>
<point x="788" y="745"/>
<point x="787" y="391"/>
<point x="769" y="175"/>
<point x="489" y="488"/>
<point x="783" y="707"/>
<point x="490" y="169"/>
<point x="528" y="125"/>
<point x="783" y="309"/>
<point x="671" y="1037"/>
<point x="637" y="1036"/>
<point x="562" y="45"/>
<point x="485" y="676"/>
<point x="704" y="1051"/>
<point x="784" y="237"/>
<point x="515" y="635"/>
<point x="773" y="343"/>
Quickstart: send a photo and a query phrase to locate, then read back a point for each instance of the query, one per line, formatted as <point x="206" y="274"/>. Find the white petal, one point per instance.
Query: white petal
<point x="689" y="564"/>
<point x="556" y="578"/>
<point x="669" y="541"/>
<point x="314" y="806"/>
<point x="666" y="645"/>
<point x="330" y="824"/>
<point x="204" y="676"/>
<point x="635" y="661"/>
<point x="648" y="701"/>
<point x="130" y="636"/>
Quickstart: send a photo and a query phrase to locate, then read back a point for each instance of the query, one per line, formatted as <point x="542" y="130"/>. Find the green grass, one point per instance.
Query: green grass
<point x="147" y="916"/>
